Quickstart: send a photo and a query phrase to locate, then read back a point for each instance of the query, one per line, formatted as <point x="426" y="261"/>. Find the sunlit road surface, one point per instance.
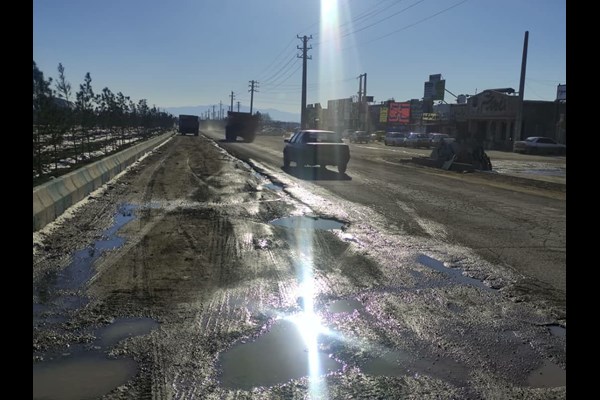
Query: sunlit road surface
<point x="392" y="280"/>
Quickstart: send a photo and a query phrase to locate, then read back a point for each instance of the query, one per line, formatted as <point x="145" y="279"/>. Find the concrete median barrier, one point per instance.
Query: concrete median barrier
<point x="53" y="198"/>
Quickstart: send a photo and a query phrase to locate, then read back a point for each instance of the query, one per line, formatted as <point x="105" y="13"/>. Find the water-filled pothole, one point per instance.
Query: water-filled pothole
<point x="454" y="273"/>
<point x="124" y="328"/>
<point x="84" y="376"/>
<point x="557" y="330"/>
<point x="401" y="363"/>
<point x="84" y="373"/>
<point x="305" y="223"/>
<point x="547" y="376"/>
<point x="276" y="357"/>
<point x="56" y="293"/>
<point x="345" y="306"/>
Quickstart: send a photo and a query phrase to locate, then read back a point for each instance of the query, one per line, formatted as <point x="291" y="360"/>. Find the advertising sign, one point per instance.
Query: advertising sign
<point x="383" y="114"/>
<point x="434" y="90"/>
<point x="561" y="92"/>
<point x="399" y="113"/>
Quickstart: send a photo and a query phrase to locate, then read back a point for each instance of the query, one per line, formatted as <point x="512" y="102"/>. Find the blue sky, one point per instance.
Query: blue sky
<point x="196" y="52"/>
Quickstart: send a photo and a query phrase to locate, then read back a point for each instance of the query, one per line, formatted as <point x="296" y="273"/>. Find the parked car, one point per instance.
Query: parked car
<point x="394" y="139"/>
<point x="539" y="145"/>
<point x="379" y="135"/>
<point x="435" y="138"/>
<point x="360" y="137"/>
<point x="416" y="139"/>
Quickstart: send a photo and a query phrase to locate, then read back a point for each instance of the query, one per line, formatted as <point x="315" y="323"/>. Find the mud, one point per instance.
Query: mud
<point x="205" y="271"/>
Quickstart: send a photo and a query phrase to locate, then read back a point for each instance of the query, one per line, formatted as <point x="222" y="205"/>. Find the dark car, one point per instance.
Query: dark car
<point x="394" y="138"/>
<point x="539" y="145"/>
<point x="360" y="137"/>
<point x="316" y="147"/>
<point x="416" y="139"/>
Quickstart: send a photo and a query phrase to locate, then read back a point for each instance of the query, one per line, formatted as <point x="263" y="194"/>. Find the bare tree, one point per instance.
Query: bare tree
<point x="42" y="102"/>
<point x="85" y="110"/>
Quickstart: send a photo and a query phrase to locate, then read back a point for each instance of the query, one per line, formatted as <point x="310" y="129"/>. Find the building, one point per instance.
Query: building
<point x="492" y="116"/>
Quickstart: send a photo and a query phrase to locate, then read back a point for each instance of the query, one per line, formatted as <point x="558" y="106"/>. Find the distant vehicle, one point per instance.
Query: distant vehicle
<point x="415" y="139"/>
<point x="539" y="145"/>
<point x="360" y="137"/>
<point x="394" y="138"/>
<point x="241" y="124"/>
<point x="316" y="147"/>
<point x="189" y="124"/>
<point x="435" y="138"/>
<point x="379" y="135"/>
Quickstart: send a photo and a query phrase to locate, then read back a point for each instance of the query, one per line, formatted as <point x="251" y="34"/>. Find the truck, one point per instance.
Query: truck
<point x="241" y="124"/>
<point x="189" y="124"/>
<point x="316" y="147"/>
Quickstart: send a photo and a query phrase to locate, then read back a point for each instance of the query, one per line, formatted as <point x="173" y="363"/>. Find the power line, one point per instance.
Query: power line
<point x="383" y="19"/>
<point x="418" y="22"/>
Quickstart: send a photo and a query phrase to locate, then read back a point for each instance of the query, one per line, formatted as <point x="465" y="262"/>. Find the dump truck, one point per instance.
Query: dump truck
<point x="241" y="124"/>
<point x="189" y="124"/>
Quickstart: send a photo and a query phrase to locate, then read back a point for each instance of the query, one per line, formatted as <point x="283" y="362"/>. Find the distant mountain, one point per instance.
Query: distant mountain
<point x="276" y="115"/>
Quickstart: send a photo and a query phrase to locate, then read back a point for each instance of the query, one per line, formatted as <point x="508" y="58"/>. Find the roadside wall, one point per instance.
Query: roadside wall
<point x="52" y="198"/>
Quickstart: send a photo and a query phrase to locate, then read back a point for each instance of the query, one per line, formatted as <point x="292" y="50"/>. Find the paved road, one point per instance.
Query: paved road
<point x="196" y="274"/>
<point x="518" y="225"/>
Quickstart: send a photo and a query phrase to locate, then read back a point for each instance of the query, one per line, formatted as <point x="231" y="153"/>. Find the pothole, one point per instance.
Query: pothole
<point x="454" y="273"/>
<point x="287" y="351"/>
<point x="307" y="223"/>
<point x="547" y="376"/>
<point x="84" y="376"/>
<point x="124" y="328"/>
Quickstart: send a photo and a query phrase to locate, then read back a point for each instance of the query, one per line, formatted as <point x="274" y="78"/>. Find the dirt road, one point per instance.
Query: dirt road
<point x="194" y="277"/>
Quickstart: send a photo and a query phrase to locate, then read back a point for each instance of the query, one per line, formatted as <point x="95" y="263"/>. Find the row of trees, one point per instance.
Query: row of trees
<point x="73" y="129"/>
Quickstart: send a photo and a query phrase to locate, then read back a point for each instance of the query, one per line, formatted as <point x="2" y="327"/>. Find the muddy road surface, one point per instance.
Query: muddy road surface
<point x="205" y="271"/>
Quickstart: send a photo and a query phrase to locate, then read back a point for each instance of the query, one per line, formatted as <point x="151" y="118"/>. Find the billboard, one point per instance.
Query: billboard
<point x="435" y="88"/>
<point x="383" y="114"/>
<point x="399" y="113"/>
<point x="561" y="92"/>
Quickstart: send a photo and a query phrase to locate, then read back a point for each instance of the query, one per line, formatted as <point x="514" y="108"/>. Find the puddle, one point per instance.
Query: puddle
<point x="345" y="306"/>
<point x="547" y="376"/>
<point x="305" y="222"/>
<point x="281" y="353"/>
<point x="124" y="328"/>
<point x="557" y="330"/>
<point x="400" y="363"/>
<point x="273" y="186"/>
<point x="454" y="273"/>
<point x="80" y="377"/>
<point x="79" y="271"/>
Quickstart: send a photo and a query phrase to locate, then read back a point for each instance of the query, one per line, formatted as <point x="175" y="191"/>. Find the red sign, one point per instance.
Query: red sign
<point x="399" y="113"/>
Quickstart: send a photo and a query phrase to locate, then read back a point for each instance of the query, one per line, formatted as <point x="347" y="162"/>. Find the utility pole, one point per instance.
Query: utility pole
<point x="362" y="102"/>
<point x="220" y="109"/>
<point x="232" y="96"/>
<point x="519" y="122"/>
<point x="253" y="88"/>
<point x="238" y="104"/>
<point x="303" y="121"/>
<point x="213" y="114"/>
<point x="366" y="108"/>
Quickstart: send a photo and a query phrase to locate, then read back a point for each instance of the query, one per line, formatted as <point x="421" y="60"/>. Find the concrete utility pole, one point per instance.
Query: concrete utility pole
<point x="362" y="102"/>
<point x="304" y="57"/>
<point x="232" y="97"/>
<point x="519" y="121"/>
<point x="238" y="103"/>
<point x="253" y="88"/>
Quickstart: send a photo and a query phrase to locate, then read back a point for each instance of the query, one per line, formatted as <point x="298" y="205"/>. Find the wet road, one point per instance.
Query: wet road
<point x="197" y="275"/>
<point x="512" y="225"/>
